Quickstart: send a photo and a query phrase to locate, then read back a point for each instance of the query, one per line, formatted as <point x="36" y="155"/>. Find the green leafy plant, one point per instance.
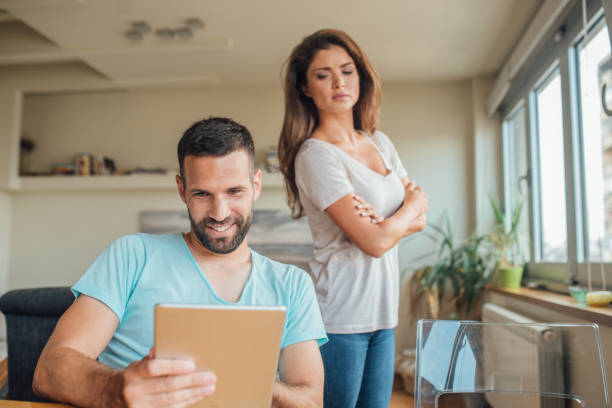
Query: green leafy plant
<point x="466" y="267"/>
<point x="505" y="238"/>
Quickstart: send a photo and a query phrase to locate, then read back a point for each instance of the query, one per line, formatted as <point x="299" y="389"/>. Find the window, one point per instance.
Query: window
<point x="516" y="173"/>
<point x="557" y="136"/>
<point x="551" y="171"/>
<point x="597" y="147"/>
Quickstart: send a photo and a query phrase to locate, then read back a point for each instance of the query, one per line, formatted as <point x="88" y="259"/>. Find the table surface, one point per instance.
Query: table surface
<point x="25" y="404"/>
<point x="398" y="400"/>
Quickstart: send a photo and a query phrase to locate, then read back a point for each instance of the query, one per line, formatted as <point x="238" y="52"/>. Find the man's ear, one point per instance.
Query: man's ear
<point x="181" y="187"/>
<point x="257" y="184"/>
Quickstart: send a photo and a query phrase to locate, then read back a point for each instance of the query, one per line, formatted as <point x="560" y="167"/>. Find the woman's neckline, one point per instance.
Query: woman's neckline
<point x="382" y="157"/>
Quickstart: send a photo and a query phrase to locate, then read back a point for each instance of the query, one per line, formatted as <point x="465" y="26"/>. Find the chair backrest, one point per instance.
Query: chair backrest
<point x="31" y="316"/>
<point x="541" y="365"/>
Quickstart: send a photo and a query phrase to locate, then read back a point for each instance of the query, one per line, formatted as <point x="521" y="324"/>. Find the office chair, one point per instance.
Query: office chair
<point x="31" y="316"/>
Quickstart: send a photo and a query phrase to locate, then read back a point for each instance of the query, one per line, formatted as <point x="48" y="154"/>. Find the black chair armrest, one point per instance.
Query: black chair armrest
<point x="31" y="316"/>
<point x="51" y="301"/>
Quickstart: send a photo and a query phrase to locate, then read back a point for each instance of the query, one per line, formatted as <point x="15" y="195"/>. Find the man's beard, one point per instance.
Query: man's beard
<point x="223" y="245"/>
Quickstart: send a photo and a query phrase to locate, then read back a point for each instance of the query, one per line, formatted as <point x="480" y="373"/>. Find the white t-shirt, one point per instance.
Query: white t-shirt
<point x="357" y="293"/>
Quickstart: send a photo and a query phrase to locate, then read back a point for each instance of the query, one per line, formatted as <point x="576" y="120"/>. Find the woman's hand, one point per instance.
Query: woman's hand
<point x="366" y="210"/>
<point x="420" y="223"/>
<point x="415" y="196"/>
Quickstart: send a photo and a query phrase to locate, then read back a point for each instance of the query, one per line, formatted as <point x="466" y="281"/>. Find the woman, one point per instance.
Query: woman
<point x="347" y="177"/>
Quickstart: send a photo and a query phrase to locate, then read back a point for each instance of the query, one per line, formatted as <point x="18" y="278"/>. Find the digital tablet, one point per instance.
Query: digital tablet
<point x="241" y="344"/>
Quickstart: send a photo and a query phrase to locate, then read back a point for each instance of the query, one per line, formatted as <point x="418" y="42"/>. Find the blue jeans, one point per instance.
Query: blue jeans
<point x="359" y="369"/>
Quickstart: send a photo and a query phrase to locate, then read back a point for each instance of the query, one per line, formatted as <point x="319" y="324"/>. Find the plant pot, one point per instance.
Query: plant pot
<point x="509" y="277"/>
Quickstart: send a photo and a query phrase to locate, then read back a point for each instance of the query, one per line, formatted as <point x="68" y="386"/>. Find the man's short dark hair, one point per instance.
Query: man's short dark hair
<point x="214" y="137"/>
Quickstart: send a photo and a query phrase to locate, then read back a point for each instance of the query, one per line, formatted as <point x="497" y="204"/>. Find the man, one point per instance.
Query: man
<point x="101" y="354"/>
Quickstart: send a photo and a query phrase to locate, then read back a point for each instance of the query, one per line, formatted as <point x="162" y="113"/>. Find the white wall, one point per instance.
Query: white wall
<point x="135" y="128"/>
<point x="429" y="123"/>
<point x="10" y="118"/>
<point x="142" y="128"/>
<point x="5" y="239"/>
<point x="488" y="172"/>
<point x="56" y="235"/>
<point x="431" y="126"/>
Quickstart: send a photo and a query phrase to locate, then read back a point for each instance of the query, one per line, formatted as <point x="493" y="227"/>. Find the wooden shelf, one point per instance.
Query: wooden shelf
<point x="129" y="182"/>
<point x="562" y="303"/>
<point x="89" y="183"/>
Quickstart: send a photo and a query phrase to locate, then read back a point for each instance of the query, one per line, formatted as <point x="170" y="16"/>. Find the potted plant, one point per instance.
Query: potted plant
<point x="466" y="267"/>
<point x="506" y="247"/>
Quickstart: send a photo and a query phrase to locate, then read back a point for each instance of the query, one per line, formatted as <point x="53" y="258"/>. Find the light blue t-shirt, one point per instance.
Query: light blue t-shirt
<point x="138" y="271"/>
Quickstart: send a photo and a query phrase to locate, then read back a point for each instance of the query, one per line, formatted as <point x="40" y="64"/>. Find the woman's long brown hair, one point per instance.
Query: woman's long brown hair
<point x="301" y="115"/>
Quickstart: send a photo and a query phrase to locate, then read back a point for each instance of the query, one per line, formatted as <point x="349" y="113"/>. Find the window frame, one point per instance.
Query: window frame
<point x="538" y="226"/>
<point x="598" y="24"/>
<point x="582" y="266"/>
<point x="558" y="53"/>
<point x="509" y="159"/>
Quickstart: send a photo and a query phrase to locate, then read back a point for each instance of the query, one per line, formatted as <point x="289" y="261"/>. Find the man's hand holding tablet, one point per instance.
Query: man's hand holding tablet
<point x="153" y="382"/>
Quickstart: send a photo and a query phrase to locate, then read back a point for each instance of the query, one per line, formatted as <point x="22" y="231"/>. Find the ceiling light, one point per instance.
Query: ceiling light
<point x="194" y="23"/>
<point x="141" y="26"/>
<point x="164" y="33"/>
<point x="183" y="33"/>
<point x="133" y="35"/>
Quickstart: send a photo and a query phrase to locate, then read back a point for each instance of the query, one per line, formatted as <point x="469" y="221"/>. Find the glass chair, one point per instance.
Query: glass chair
<point x="464" y="364"/>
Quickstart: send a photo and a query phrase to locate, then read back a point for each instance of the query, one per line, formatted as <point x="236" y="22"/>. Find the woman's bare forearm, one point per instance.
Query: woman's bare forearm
<point x="405" y="220"/>
<point x="376" y="238"/>
<point x="391" y="230"/>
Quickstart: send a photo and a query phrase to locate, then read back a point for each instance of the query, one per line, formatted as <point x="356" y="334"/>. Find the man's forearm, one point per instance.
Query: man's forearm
<point x="66" y="375"/>
<point x="295" y="396"/>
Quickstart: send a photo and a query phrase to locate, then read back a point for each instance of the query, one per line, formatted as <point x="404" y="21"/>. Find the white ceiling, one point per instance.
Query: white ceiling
<point x="246" y="41"/>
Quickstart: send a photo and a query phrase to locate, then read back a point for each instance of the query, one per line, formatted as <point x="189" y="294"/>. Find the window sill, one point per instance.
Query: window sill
<point x="561" y="303"/>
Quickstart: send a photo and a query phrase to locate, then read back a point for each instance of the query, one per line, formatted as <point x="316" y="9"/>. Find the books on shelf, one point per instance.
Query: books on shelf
<point x="87" y="164"/>
<point x="272" y="162"/>
<point x="62" y="168"/>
